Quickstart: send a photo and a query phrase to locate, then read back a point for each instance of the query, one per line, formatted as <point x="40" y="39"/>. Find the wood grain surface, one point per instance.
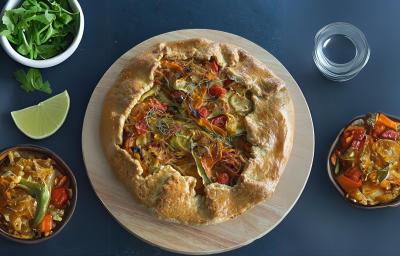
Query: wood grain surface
<point x="199" y="240"/>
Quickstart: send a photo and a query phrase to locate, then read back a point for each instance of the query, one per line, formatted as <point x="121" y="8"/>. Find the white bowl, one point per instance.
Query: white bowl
<point x="11" y="4"/>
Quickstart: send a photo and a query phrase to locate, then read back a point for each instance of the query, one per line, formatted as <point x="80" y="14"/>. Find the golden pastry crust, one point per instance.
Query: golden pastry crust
<point x="168" y="194"/>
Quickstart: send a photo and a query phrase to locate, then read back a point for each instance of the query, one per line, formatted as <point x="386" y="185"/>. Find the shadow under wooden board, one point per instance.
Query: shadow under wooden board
<point x="226" y="236"/>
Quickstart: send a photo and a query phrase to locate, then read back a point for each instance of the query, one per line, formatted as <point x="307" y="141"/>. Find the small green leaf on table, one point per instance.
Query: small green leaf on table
<point x="32" y="81"/>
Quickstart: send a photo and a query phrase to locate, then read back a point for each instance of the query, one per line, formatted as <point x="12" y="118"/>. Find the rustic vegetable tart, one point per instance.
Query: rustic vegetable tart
<point x="198" y="131"/>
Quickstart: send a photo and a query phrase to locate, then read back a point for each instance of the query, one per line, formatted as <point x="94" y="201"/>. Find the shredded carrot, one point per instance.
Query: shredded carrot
<point x="198" y="97"/>
<point x="62" y="181"/>
<point x="137" y="156"/>
<point x="205" y="123"/>
<point x="171" y="65"/>
<point x="211" y="76"/>
<point x="215" y="155"/>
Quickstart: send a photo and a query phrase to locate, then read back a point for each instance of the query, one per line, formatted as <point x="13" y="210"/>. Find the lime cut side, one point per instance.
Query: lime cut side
<point x="43" y="120"/>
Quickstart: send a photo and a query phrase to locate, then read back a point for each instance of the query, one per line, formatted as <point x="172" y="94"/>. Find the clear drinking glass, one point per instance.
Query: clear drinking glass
<point x="341" y="51"/>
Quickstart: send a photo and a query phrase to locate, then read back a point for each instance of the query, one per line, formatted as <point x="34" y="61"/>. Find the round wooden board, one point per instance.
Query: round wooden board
<point x="226" y="236"/>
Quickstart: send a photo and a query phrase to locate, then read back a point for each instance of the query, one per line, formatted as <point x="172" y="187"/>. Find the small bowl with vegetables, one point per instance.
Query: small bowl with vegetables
<point x="364" y="161"/>
<point x="41" y="33"/>
<point x="38" y="194"/>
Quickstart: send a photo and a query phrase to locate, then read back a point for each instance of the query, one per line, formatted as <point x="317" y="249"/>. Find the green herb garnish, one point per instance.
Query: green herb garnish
<point x="382" y="174"/>
<point x="40" y="29"/>
<point x="32" y="80"/>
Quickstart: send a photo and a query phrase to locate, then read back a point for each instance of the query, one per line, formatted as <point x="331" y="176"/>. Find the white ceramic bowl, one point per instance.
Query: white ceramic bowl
<point x="11" y="4"/>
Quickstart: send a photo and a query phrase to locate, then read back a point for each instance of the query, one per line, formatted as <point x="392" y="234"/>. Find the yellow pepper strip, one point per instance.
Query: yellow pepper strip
<point x="171" y="65"/>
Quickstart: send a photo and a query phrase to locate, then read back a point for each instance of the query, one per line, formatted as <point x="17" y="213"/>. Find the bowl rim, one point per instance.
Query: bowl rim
<point x="53" y="61"/>
<point x="66" y="170"/>
<point x="394" y="203"/>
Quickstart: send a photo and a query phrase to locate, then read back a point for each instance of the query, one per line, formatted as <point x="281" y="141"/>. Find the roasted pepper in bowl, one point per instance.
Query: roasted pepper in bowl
<point x="365" y="160"/>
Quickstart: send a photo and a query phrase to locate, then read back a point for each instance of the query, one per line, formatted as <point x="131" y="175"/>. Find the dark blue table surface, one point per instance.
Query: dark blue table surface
<point x="321" y="223"/>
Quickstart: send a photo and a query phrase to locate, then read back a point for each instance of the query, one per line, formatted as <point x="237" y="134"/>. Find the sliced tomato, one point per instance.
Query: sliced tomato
<point x="217" y="91"/>
<point x="348" y="184"/>
<point x="177" y="96"/>
<point x="390" y="134"/>
<point x="171" y="65"/>
<point x="350" y="134"/>
<point x="214" y="66"/>
<point x="203" y="112"/>
<point x="356" y="144"/>
<point x="220" y="121"/>
<point x="59" y="197"/>
<point x="359" y="133"/>
<point x="154" y="103"/>
<point x="141" y="127"/>
<point x="223" y="178"/>
<point x="353" y="173"/>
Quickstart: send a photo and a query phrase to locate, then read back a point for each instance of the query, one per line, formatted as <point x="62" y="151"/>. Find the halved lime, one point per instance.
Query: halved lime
<point x="42" y="120"/>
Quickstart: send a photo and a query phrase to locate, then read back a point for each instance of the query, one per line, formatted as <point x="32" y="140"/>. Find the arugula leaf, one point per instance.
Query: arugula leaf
<point x="32" y="80"/>
<point x="40" y="29"/>
<point x="8" y="23"/>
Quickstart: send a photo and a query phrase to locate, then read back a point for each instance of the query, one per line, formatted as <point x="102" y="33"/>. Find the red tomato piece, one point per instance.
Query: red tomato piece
<point x="178" y="96"/>
<point x="154" y="103"/>
<point x="141" y="127"/>
<point x="223" y="178"/>
<point x="350" y="134"/>
<point x="378" y="130"/>
<point x="59" y="196"/>
<point x="348" y="184"/>
<point x="214" y="66"/>
<point x="359" y="133"/>
<point x="220" y="121"/>
<point x="217" y="91"/>
<point x="390" y="134"/>
<point x="353" y="173"/>
<point x="203" y="112"/>
<point x="356" y="144"/>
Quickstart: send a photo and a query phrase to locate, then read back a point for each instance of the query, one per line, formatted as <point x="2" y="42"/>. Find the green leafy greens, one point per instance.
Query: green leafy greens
<point x="32" y="80"/>
<point x="40" y="29"/>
